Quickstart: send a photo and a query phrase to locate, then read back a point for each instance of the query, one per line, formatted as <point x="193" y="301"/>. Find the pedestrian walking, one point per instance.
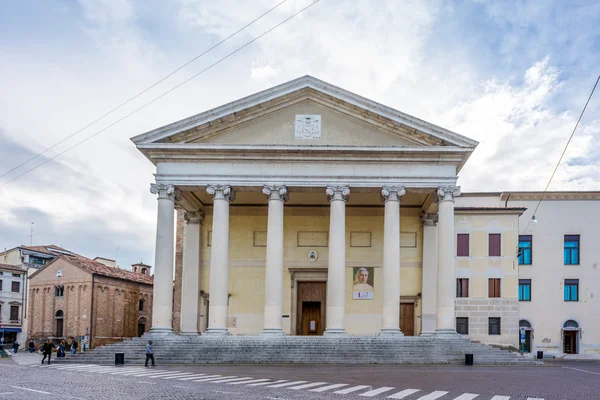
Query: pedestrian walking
<point x="31" y="346"/>
<point x="47" y="350"/>
<point x="74" y="347"/>
<point x="149" y="353"/>
<point x="60" y="351"/>
<point x="16" y="347"/>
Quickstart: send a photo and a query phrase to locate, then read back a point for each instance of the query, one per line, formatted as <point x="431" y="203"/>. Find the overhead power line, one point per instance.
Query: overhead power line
<point x="143" y="91"/>
<point x="162" y="95"/>
<point x="563" y="153"/>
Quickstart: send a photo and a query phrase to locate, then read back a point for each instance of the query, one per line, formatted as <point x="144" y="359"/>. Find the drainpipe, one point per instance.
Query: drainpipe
<point x="506" y="202"/>
<point x="91" y="316"/>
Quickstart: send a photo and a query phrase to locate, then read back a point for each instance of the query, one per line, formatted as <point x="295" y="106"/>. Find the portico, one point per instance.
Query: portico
<point x="306" y="179"/>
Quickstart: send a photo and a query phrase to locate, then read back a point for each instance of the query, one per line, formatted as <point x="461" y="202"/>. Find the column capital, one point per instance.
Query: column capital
<point x="448" y="193"/>
<point x="194" y="217"/>
<point x="337" y="192"/>
<point x="429" y="219"/>
<point x="221" y="192"/>
<point x="392" y="193"/>
<point x="164" y="191"/>
<point x="276" y="192"/>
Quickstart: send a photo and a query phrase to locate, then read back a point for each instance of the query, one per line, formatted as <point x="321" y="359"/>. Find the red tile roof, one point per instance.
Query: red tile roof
<point x="95" y="267"/>
<point x="12" y="268"/>
<point x="45" y="249"/>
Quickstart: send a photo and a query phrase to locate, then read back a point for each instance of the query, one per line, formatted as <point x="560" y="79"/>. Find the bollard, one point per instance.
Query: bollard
<point x="468" y="359"/>
<point x="540" y="355"/>
<point x="119" y="358"/>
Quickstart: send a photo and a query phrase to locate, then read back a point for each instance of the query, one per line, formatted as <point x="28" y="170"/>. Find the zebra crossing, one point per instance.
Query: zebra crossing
<point x="366" y="391"/>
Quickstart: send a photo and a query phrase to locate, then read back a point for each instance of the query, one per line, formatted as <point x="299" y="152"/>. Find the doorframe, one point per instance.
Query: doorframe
<point x="578" y="336"/>
<point x="303" y="275"/>
<point x="415" y="302"/>
<point x="529" y="329"/>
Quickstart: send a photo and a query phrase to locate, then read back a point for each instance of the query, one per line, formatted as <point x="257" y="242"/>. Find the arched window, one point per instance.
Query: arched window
<point x="134" y="269"/>
<point x="59" y="323"/>
<point x="141" y="305"/>
<point x="59" y="291"/>
<point x="571" y="324"/>
<point x="144" y="270"/>
<point x="524" y="323"/>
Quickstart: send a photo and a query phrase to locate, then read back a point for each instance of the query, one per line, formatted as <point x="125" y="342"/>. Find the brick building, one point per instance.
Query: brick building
<point x="73" y="296"/>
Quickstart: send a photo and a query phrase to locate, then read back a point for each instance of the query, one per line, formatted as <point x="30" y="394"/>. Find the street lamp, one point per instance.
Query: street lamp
<point x="533" y="220"/>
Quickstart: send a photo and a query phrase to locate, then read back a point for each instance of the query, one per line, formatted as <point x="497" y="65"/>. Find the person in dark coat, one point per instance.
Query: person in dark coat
<point x="31" y="346"/>
<point x="16" y="347"/>
<point x="47" y="350"/>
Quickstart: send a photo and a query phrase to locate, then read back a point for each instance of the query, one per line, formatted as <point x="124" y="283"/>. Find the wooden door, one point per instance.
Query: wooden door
<point x="527" y="347"/>
<point x="310" y="306"/>
<point x="570" y="342"/>
<point x="407" y="318"/>
<point x="141" y="329"/>
<point x="311" y="318"/>
<point x="59" y="327"/>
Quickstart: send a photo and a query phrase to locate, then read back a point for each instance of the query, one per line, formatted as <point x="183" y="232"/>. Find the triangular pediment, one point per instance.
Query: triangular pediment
<point x="275" y="117"/>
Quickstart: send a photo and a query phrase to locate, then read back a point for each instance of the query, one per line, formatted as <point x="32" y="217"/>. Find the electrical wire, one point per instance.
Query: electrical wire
<point x="563" y="153"/>
<point x="143" y="91"/>
<point x="161" y="96"/>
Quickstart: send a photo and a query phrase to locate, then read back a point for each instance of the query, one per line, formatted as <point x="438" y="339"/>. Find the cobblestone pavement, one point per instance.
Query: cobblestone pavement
<point x="556" y="381"/>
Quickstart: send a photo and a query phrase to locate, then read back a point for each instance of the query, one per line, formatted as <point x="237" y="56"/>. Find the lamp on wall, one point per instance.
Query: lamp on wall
<point x="533" y="220"/>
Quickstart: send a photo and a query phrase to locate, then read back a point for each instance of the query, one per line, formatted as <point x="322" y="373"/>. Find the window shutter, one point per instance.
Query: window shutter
<point x="462" y="241"/>
<point x="491" y="288"/>
<point x="465" y="287"/>
<point x="494" y="244"/>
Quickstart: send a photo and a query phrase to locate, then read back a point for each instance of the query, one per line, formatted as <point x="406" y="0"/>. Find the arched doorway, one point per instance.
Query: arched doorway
<point x="59" y="323"/>
<point x="141" y="326"/>
<point x="525" y="336"/>
<point x="571" y="333"/>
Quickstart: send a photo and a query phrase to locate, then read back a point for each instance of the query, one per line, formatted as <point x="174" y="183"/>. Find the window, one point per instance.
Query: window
<point x="525" y="249"/>
<point x="16" y="287"/>
<point x="59" y="291"/>
<point x="16" y="275"/>
<point x="524" y="289"/>
<point x="462" y="245"/>
<point x="494" y="326"/>
<point x="571" y="289"/>
<point x="141" y="305"/>
<point x="571" y="249"/>
<point x="1" y="284"/>
<point x="14" y="313"/>
<point x="494" y="241"/>
<point x="494" y="287"/>
<point x="462" y="287"/>
<point x="36" y="260"/>
<point x="144" y="271"/>
<point x="462" y="325"/>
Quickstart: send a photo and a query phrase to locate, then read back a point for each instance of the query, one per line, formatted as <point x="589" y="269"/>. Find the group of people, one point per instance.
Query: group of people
<point x="47" y="348"/>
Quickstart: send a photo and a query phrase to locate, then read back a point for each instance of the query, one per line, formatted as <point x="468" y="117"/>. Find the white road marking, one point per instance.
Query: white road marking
<point x="182" y="375"/>
<point x="163" y="374"/>
<point x="534" y="398"/>
<point x="466" y="396"/>
<point x="267" y="383"/>
<point x="582" y="370"/>
<point x="329" y="387"/>
<point x="187" y="378"/>
<point x="500" y="398"/>
<point x="6" y="393"/>
<point x="279" y="385"/>
<point x="307" y="385"/>
<point x="352" y="389"/>
<point x="31" y="390"/>
<point x="248" y="378"/>
<point x="128" y="371"/>
<point x="213" y="379"/>
<point x="404" y="393"/>
<point x="151" y="373"/>
<point x="142" y="371"/>
<point x="375" y="392"/>
<point x="246" y="382"/>
<point x="433" y="395"/>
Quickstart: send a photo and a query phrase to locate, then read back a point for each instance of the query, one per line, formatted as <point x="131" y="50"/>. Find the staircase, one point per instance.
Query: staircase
<point x="175" y="349"/>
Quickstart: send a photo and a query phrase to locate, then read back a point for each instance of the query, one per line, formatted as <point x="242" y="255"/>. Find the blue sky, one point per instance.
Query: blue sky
<point x="512" y="75"/>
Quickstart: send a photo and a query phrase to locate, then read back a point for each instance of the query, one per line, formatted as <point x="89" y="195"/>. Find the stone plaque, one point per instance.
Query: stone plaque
<point x="260" y="239"/>
<point x="408" y="239"/>
<point x="308" y="126"/>
<point x="312" y="239"/>
<point x="360" y="239"/>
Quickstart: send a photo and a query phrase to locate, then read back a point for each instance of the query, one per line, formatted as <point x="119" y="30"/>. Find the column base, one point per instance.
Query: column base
<point x="158" y="331"/>
<point x="335" y="332"/>
<point x="428" y="334"/>
<point x="217" y="332"/>
<point x="390" y="332"/>
<point x="447" y="334"/>
<point x="272" y="332"/>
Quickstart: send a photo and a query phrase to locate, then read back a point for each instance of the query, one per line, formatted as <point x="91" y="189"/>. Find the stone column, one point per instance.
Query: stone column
<point x="429" y="290"/>
<point x="336" y="272"/>
<point x="446" y="323"/>
<point x="190" y="290"/>
<point x="219" y="260"/>
<point x="277" y="195"/>
<point x="391" y="196"/>
<point x="162" y="305"/>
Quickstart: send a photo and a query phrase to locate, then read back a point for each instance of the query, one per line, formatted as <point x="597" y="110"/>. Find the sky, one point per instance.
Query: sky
<point x="512" y="75"/>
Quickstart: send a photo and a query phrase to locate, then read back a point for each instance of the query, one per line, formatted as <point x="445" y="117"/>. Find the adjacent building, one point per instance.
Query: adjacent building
<point x="12" y="300"/>
<point x="73" y="296"/>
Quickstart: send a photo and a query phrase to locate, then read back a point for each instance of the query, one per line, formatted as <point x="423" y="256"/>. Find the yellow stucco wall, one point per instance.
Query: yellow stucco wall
<point x="247" y="262"/>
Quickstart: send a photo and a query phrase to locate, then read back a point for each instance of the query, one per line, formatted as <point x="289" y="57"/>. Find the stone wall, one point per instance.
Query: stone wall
<point x="480" y="310"/>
